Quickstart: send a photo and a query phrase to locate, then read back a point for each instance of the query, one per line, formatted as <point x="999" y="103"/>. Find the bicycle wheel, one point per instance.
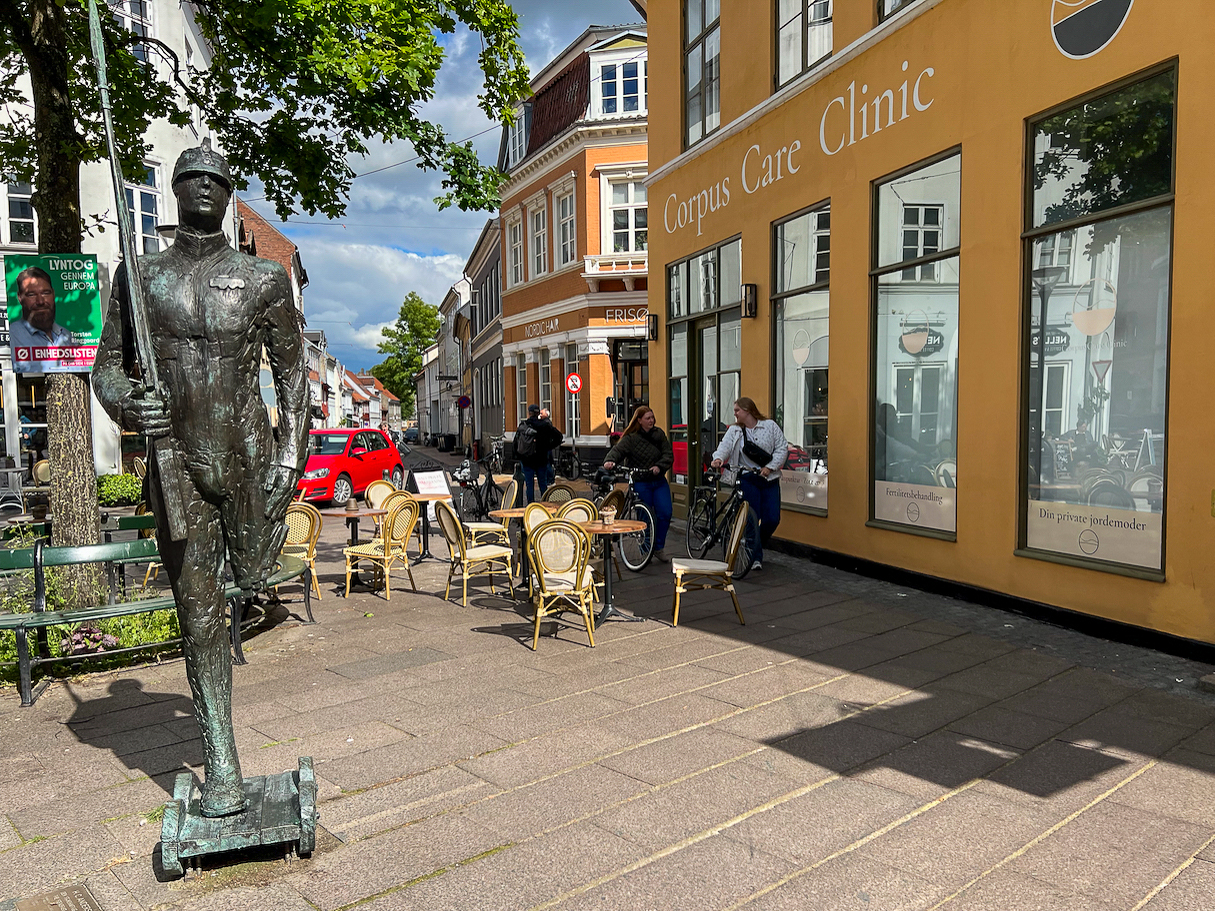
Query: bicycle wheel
<point x="747" y="547"/>
<point x="700" y="528"/>
<point x="493" y="498"/>
<point x="636" y="549"/>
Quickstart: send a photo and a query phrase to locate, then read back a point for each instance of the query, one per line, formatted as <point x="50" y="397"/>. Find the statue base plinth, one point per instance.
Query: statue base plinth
<point x="281" y="810"/>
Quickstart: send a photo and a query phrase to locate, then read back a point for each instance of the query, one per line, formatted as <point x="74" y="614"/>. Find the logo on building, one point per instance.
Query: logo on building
<point x="1082" y="28"/>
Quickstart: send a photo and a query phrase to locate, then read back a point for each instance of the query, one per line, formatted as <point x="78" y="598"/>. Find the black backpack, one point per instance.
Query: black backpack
<point x="526" y="440"/>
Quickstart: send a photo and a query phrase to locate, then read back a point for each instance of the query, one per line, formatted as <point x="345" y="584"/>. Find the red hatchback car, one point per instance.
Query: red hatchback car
<point x="341" y="463"/>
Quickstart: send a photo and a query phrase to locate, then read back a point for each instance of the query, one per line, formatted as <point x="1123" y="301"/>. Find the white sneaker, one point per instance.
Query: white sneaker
<point x="661" y="556"/>
<point x="757" y="565"/>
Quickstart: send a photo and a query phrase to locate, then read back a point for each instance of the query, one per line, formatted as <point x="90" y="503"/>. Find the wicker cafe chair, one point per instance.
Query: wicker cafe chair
<point x="578" y="510"/>
<point x="494" y="531"/>
<point x="303" y="531"/>
<point x="140" y="467"/>
<point x="481" y="559"/>
<point x="560" y="552"/>
<point x="559" y="493"/>
<point x="696" y="575"/>
<point x="374" y="496"/>
<point x="389" y="548"/>
<point x="533" y="516"/>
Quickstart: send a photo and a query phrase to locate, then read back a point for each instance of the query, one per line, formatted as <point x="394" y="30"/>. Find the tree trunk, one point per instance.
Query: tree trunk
<point x="57" y="199"/>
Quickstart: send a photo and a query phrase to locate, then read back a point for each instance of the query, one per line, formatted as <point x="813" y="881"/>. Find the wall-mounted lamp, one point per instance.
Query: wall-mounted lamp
<point x="750" y="300"/>
<point x="652" y="327"/>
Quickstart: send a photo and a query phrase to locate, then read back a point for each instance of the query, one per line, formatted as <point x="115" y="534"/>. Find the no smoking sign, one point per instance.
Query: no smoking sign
<point x="573" y="383"/>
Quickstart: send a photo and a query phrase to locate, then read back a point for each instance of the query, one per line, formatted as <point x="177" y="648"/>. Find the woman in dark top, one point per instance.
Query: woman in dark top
<point x="645" y="447"/>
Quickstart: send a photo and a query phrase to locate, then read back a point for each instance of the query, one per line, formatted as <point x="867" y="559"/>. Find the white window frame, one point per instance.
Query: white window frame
<point x="635" y="172"/>
<point x="929" y="272"/>
<point x="516" y="139"/>
<point x="521" y="386"/>
<point x="814" y="18"/>
<point x="135" y="16"/>
<point x="545" y="360"/>
<point x="145" y="194"/>
<point x="514" y="251"/>
<point x="631" y="206"/>
<point x="19" y="193"/>
<point x="601" y="97"/>
<point x="917" y="370"/>
<point x="567" y="228"/>
<point x="537" y="238"/>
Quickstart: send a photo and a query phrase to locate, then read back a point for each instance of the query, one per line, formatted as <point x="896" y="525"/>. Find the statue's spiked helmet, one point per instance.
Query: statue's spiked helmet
<point x="203" y="160"/>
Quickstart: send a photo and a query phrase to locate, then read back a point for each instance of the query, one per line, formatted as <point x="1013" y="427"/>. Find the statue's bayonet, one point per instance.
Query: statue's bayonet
<point x="166" y="463"/>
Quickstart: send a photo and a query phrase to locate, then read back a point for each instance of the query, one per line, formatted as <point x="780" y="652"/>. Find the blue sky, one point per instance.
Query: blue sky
<point x="393" y="239"/>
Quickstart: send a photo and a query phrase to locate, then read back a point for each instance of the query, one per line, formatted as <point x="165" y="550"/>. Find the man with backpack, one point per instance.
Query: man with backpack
<point x="534" y="440"/>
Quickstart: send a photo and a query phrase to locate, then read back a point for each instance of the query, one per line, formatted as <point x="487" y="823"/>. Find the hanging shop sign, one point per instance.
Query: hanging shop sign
<point x="54" y="311"/>
<point x="921" y="342"/>
<point x="1056" y="342"/>
<point x="1082" y="28"/>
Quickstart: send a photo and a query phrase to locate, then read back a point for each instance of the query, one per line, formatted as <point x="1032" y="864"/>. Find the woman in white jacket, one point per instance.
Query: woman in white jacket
<point x="758" y="434"/>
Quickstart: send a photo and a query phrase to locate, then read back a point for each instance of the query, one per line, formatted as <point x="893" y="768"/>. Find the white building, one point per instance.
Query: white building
<point x="154" y="211"/>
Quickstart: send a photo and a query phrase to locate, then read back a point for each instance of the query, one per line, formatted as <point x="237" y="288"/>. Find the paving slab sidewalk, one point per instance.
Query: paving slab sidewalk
<point x="854" y="745"/>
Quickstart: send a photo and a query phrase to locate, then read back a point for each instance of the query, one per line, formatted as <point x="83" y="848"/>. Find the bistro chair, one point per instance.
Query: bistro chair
<point x="388" y="549"/>
<point x="560" y="554"/>
<point x="41" y="473"/>
<point x="578" y="509"/>
<point x="374" y="496"/>
<point x="303" y="531"/>
<point x="697" y="575"/>
<point x="494" y="531"/>
<point x="470" y="560"/>
<point x="559" y="493"/>
<point x="139" y="467"/>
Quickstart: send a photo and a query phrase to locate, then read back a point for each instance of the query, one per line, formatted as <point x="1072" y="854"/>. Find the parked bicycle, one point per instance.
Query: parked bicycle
<point x="494" y="459"/>
<point x="478" y="493"/>
<point x="710" y="520"/>
<point x="634" y="550"/>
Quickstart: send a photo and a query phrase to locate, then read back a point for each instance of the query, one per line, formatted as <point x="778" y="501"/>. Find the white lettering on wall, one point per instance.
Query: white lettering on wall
<point x="627" y="314"/>
<point x="545" y="326"/>
<point x="884" y="103"/>
<point x="846" y="120"/>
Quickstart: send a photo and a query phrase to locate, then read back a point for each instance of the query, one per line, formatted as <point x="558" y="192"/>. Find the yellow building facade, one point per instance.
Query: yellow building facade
<point x="957" y="249"/>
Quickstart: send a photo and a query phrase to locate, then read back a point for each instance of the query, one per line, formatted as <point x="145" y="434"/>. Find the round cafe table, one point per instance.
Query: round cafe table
<point x="612" y="532"/>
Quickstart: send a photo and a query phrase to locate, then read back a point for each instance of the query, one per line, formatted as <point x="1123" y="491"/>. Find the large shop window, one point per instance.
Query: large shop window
<point x="704" y="293"/>
<point x="916" y="348"/>
<point x="803" y="37"/>
<point x="1098" y="306"/>
<point x="702" y="68"/>
<point x="801" y="309"/>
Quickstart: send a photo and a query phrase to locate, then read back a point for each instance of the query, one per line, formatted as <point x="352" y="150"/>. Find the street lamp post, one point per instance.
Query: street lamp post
<point x="1044" y="278"/>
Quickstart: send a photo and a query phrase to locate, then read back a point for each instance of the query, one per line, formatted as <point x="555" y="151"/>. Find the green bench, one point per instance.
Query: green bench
<point x="113" y="554"/>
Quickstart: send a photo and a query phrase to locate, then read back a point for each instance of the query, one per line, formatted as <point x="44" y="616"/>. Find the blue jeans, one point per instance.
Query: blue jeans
<point x="544" y="475"/>
<point x="764" y="498"/>
<point x="656" y="494"/>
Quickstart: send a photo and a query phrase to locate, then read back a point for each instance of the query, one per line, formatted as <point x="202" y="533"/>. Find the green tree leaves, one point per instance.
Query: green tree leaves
<point x="405" y="343"/>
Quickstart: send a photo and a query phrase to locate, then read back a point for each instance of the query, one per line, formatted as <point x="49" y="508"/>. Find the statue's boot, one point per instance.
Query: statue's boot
<point x="222" y="796"/>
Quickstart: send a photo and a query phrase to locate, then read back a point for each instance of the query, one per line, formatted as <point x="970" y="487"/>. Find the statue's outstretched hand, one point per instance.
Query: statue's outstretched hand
<point x="145" y="413"/>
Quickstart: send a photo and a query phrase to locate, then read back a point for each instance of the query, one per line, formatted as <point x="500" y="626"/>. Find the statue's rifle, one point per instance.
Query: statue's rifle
<point x="166" y="461"/>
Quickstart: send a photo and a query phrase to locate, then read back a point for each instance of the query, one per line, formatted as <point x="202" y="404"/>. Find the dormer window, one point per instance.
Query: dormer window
<point x="622" y="87"/>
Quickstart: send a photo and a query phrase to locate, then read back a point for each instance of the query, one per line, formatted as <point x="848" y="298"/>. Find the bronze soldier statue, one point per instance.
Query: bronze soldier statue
<point x="211" y="310"/>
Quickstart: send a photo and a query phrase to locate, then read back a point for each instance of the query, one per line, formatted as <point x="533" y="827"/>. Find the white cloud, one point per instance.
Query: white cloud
<point x="393" y="239"/>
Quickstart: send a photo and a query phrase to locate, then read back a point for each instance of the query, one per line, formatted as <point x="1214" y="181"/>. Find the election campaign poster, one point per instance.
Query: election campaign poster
<point x="54" y="311"/>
